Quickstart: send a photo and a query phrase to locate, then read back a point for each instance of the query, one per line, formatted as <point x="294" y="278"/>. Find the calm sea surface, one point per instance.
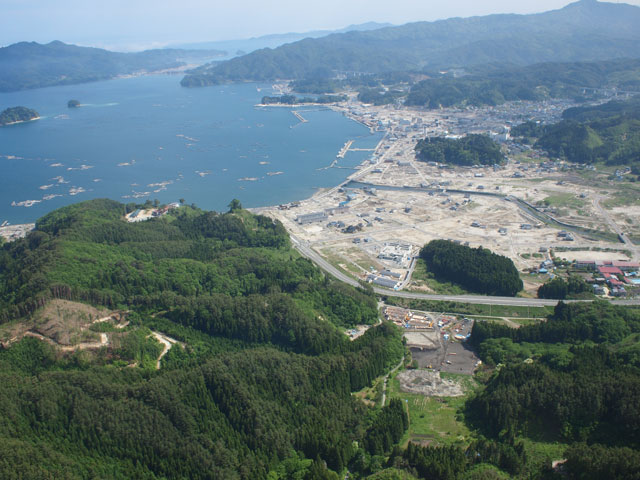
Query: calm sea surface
<point x="148" y="138"/>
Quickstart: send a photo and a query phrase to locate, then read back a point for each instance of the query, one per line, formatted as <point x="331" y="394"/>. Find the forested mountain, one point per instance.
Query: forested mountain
<point x="262" y="386"/>
<point x="32" y="65"/>
<point x="608" y="133"/>
<point x="263" y="383"/>
<point x="495" y="84"/>
<point x="583" y="31"/>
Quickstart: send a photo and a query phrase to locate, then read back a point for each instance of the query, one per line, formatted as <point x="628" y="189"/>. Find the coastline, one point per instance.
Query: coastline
<point x="20" y="121"/>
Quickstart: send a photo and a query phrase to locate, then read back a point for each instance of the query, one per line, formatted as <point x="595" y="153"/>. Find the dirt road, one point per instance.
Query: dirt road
<point x="167" y="343"/>
<point x="386" y="380"/>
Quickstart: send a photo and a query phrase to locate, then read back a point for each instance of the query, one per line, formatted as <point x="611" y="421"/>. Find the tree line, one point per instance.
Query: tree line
<point x="476" y="269"/>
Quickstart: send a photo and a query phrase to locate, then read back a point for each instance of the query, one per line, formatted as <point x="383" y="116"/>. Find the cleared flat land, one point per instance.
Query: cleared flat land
<point x="464" y="204"/>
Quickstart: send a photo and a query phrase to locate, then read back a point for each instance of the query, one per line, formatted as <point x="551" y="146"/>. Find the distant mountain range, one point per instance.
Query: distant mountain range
<point x="583" y="31"/>
<point x="244" y="46"/>
<point x="28" y="65"/>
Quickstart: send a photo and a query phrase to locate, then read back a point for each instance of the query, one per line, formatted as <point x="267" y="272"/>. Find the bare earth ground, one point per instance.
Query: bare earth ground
<point x="428" y="382"/>
<point x="65" y="325"/>
<point x="61" y="321"/>
<point x="414" y="217"/>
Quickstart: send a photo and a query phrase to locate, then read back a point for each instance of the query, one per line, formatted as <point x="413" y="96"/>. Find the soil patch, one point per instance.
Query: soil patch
<point x="428" y="382"/>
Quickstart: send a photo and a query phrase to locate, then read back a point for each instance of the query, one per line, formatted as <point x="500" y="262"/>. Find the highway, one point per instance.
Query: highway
<point x="306" y="251"/>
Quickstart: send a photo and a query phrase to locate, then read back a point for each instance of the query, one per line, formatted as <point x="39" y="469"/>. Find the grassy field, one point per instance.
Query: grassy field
<point x="626" y="194"/>
<point x="434" y="420"/>
<point x="372" y="395"/>
<point x="509" y="322"/>
<point x="421" y="277"/>
<point x="541" y="453"/>
<point x="469" y="309"/>
<point x="564" y="200"/>
<point x="340" y="263"/>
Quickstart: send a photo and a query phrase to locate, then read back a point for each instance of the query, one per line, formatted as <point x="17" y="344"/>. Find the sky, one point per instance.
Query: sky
<point x="138" y="24"/>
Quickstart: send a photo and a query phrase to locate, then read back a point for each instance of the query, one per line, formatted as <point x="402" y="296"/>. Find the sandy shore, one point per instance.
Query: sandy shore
<point x="20" y="121"/>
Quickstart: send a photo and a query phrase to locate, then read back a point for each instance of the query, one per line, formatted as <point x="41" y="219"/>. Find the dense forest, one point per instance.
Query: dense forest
<point x="377" y="97"/>
<point x="476" y="269"/>
<point x="16" y="115"/>
<point x="608" y="133"/>
<point x="491" y="84"/>
<point x="559" y="288"/>
<point x="574" y="378"/>
<point x="466" y="151"/>
<point x="582" y="31"/>
<point x="262" y="387"/>
<point x="495" y="84"/>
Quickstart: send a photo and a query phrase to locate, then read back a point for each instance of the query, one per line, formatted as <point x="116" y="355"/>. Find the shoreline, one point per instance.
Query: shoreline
<point x="20" y="121"/>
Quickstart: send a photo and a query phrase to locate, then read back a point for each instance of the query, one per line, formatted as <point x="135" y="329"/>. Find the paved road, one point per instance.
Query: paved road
<point x="308" y="252"/>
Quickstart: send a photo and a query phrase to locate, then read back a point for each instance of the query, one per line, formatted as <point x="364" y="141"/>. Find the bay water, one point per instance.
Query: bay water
<point x="147" y="137"/>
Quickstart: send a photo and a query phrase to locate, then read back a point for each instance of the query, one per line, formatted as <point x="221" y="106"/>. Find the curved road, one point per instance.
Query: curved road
<point x="311" y="254"/>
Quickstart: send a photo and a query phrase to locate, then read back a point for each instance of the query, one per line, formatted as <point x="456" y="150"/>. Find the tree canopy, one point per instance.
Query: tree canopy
<point x="477" y="269"/>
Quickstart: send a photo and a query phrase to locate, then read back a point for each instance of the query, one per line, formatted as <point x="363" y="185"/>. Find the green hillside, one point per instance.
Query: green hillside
<point x="608" y="133"/>
<point x="498" y="83"/>
<point x="260" y="380"/>
<point x="264" y="372"/>
<point x="583" y="31"/>
<point x="467" y="151"/>
<point x="28" y="65"/>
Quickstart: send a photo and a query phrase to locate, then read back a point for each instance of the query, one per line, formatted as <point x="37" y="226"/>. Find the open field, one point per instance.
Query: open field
<point x="432" y="420"/>
<point x="456" y="308"/>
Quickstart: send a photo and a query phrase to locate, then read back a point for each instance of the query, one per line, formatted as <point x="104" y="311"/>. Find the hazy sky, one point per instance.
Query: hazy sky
<point x="137" y="24"/>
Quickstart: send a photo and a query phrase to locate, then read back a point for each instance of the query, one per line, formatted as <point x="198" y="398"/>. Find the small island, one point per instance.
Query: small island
<point x="73" y="104"/>
<point x="17" y="115"/>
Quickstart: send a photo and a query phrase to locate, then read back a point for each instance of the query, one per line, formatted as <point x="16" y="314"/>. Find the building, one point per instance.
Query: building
<point x="627" y="266"/>
<point x="605" y="270"/>
<point x="389" y="273"/>
<point x="384" y="282"/>
<point x="311" y="218"/>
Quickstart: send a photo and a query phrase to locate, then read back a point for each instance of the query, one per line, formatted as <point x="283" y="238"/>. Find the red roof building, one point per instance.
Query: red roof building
<point x="610" y="270"/>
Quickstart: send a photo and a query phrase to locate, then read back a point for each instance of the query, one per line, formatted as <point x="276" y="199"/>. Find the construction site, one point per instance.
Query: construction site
<point x="437" y="342"/>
